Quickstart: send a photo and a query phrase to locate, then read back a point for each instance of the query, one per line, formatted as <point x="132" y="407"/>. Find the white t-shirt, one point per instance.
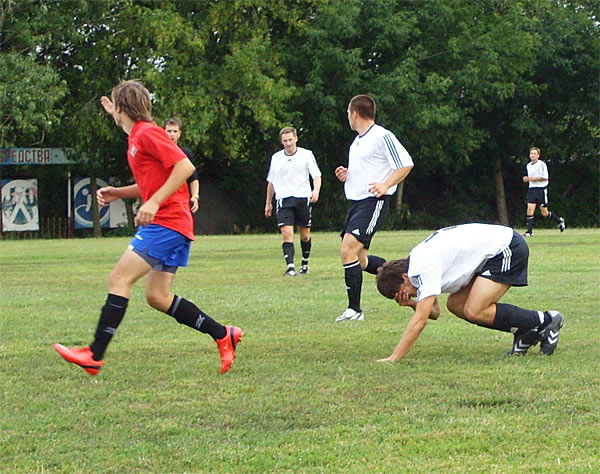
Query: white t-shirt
<point x="289" y="173"/>
<point x="537" y="170"/>
<point x="448" y="259"/>
<point x="372" y="158"/>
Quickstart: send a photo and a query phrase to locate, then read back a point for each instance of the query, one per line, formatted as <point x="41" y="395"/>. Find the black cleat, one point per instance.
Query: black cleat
<point x="304" y="270"/>
<point x="550" y="334"/>
<point x="524" y="339"/>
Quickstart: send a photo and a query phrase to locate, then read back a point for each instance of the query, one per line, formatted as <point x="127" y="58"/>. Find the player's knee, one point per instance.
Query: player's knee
<point x="456" y="308"/>
<point x="472" y="313"/>
<point x="157" y="301"/>
<point x="288" y="234"/>
<point x="119" y="282"/>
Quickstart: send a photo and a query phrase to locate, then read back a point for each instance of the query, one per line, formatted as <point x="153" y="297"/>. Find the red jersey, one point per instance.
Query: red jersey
<point x="151" y="156"/>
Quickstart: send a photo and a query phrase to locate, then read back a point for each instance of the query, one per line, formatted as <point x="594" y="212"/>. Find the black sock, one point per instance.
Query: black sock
<point x="110" y="317"/>
<point x="353" y="277"/>
<point x="186" y="312"/>
<point x="288" y="253"/>
<point x="553" y="216"/>
<point x="510" y="318"/>
<point x="305" y="250"/>
<point x="530" y="224"/>
<point x="374" y="263"/>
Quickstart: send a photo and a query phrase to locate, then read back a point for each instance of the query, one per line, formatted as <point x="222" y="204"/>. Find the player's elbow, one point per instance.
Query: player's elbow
<point x="419" y="324"/>
<point x="186" y="167"/>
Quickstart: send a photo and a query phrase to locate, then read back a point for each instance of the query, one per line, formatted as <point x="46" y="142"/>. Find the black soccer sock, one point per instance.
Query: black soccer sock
<point x="110" y="317"/>
<point x="353" y="277"/>
<point x="186" y="312"/>
<point x="510" y="318"/>
<point x="530" y="224"/>
<point x="306" y="246"/>
<point x="374" y="263"/>
<point x="288" y="253"/>
<point x="553" y="216"/>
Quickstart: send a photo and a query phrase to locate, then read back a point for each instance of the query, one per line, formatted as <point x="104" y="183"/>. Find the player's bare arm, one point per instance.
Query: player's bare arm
<point x="341" y="172"/>
<point x="379" y="189"/>
<point x="182" y="170"/>
<point x="533" y="178"/>
<point x="314" y="197"/>
<point x="269" y="200"/>
<point x="108" y="194"/>
<point x="404" y="299"/>
<point x="412" y="332"/>
<point x="195" y="195"/>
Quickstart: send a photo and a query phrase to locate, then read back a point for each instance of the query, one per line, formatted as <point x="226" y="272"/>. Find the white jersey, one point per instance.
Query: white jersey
<point x="289" y="173"/>
<point x="537" y="170"/>
<point x="448" y="259"/>
<point x="372" y="158"/>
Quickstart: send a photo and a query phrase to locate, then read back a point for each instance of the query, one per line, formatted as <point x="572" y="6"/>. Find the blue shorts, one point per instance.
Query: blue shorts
<point x="164" y="249"/>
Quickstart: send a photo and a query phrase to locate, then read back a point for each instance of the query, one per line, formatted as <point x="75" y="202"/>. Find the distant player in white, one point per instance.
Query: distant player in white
<point x="377" y="162"/>
<point x="537" y="193"/>
<point x="476" y="264"/>
<point x="288" y="181"/>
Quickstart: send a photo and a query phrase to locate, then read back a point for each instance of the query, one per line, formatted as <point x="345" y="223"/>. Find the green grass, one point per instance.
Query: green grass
<point x="305" y="394"/>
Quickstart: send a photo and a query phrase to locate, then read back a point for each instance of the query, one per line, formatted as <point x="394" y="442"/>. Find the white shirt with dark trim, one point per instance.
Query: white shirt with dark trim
<point x="372" y="158"/>
<point x="537" y="170"/>
<point x="289" y="173"/>
<point x="448" y="259"/>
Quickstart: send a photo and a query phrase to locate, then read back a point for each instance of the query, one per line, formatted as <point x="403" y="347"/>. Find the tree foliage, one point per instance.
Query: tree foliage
<point x="466" y="86"/>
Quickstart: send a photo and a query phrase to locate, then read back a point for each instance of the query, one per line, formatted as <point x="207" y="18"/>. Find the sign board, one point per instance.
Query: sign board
<point x="111" y="216"/>
<point x="20" y="205"/>
<point x="33" y="156"/>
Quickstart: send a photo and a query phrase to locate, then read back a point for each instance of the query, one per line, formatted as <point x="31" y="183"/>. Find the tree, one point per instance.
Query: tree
<point x="30" y="89"/>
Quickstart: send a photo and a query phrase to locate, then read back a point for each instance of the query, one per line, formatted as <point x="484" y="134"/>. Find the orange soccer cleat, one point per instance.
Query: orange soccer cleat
<point x="82" y="357"/>
<point x="227" y="346"/>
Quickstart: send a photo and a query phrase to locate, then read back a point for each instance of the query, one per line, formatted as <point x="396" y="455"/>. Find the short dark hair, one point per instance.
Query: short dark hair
<point x="134" y="100"/>
<point x="363" y="105"/>
<point x="172" y="121"/>
<point x="389" y="277"/>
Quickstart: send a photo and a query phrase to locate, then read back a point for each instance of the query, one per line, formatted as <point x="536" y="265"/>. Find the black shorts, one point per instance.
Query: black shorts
<point x="365" y="217"/>
<point x="294" y="211"/>
<point x="538" y="196"/>
<point x="509" y="266"/>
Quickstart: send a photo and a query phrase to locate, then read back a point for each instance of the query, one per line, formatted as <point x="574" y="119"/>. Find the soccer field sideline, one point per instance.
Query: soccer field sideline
<point x="305" y="394"/>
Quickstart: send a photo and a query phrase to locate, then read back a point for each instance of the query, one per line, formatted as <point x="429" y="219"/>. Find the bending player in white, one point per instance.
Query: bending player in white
<point x="288" y="181"/>
<point x="476" y="264"/>
<point x="377" y="162"/>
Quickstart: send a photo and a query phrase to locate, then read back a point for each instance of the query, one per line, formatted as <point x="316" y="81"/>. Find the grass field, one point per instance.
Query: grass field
<point x="305" y="394"/>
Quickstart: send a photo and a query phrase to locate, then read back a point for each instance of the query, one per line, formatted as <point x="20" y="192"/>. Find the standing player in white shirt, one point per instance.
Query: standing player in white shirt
<point x="476" y="264"/>
<point x="288" y="181"/>
<point x="377" y="162"/>
<point x="537" y="193"/>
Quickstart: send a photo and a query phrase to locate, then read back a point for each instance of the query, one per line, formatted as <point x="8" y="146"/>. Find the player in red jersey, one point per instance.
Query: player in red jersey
<point x="163" y="240"/>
